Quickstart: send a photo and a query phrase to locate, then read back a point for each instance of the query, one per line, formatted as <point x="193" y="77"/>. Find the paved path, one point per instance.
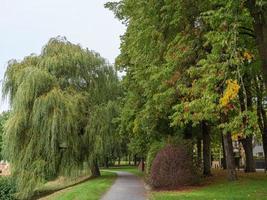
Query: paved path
<point x="126" y="187"/>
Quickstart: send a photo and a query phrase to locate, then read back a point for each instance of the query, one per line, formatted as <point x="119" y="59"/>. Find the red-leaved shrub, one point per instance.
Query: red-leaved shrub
<point x="173" y="167"/>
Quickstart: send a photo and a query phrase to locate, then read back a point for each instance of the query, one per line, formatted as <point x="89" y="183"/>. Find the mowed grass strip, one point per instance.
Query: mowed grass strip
<point x="92" y="189"/>
<point x="248" y="187"/>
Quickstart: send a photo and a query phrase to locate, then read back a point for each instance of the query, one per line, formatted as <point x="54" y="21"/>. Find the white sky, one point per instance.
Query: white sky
<point x="26" y="25"/>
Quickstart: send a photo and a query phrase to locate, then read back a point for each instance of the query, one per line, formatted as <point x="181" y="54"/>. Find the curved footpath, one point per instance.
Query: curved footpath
<point x="126" y="187"/>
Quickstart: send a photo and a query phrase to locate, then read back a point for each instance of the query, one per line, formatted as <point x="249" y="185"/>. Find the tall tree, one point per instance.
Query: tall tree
<point x="185" y="62"/>
<point x="54" y="97"/>
<point x="258" y="12"/>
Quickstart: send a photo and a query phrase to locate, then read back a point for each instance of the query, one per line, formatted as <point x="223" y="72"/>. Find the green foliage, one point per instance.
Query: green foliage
<point x="7" y="188"/>
<point x="3" y="119"/>
<point x="178" y="57"/>
<point x="54" y="98"/>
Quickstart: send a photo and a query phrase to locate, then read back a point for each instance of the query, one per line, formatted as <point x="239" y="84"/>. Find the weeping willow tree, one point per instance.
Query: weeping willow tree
<point x="57" y="101"/>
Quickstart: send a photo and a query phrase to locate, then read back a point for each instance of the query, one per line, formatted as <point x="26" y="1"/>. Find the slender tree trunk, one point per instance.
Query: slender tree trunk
<point x="224" y="157"/>
<point x="135" y="160"/>
<point x="247" y="145"/>
<point x="264" y="136"/>
<point x="206" y="150"/>
<point x="142" y="164"/>
<point x="262" y="119"/>
<point x="107" y="162"/>
<point x="229" y="155"/>
<point x="95" y="172"/>
<point x="247" y="140"/>
<point x="119" y="161"/>
<point x="199" y="151"/>
<point x="264" y="141"/>
<point x="129" y="159"/>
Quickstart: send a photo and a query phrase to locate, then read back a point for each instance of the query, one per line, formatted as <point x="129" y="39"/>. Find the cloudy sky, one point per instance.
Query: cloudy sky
<point x="26" y="25"/>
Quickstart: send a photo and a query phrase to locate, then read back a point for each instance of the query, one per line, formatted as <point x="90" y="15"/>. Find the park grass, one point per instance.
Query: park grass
<point x="92" y="189"/>
<point x="131" y="169"/>
<point x="248" y="187"/>
<point x="61" y="183"/>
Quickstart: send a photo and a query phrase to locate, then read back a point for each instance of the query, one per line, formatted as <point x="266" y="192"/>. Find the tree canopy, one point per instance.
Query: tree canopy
<point x="193" y="64"/>
<point x="57" y="100"/>
<point x="195" y="70"/>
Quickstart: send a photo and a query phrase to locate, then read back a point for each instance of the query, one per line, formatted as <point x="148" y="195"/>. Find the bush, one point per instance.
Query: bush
<point x="7" y="188"/>
<point x="153" y="151"/>
<point x="173" y="167"/>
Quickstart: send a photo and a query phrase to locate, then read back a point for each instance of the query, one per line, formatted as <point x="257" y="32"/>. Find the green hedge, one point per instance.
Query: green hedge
<point x="7" y="188"/>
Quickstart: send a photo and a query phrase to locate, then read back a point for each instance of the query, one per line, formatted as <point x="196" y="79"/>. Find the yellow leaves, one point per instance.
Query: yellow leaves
<point x="230" y="93"/>
<point x="237" y="136"/>
<point x="248" y="56"/>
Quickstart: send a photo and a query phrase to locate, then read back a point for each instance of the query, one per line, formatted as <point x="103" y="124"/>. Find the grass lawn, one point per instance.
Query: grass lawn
<point x="249" y="186"/>
<point x="61" y="183"/>
<point x="90" y="190"/>
<point x="131" y="169"/>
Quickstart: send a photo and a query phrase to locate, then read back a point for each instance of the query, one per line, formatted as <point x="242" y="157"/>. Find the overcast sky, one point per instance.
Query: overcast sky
<point x="26" y="25"/>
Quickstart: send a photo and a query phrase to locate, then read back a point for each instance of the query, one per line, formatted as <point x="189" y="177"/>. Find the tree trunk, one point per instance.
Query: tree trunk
<point x="142" y="164"/>
<point x="247" y="145"/>
<point x="262" y="119"/>
<point x="107" y="162"/>
<point x="135" y="160"/>
<point x="206" y="150"/>
<point x="259" y="14"/>
<point x="223" y="162"/>
<point x="264" y="134"/>
<point x="247" y="140"/>
<point x="95" y="172"/>
<point x="229" y="157"/>
<point x="119" y="161"/>
<point x="264" y="141"/>
<point x="199" y="151"/>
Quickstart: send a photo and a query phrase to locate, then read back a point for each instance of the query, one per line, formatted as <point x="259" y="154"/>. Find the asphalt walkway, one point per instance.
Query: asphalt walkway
<point x="126" y="187"/>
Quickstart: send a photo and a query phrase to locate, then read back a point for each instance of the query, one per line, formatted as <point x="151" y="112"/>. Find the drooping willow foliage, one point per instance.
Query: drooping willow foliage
<point x="57" y="99"/>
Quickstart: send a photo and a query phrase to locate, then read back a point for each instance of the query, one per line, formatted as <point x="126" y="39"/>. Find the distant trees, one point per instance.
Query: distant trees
<point x="62" y="103"/>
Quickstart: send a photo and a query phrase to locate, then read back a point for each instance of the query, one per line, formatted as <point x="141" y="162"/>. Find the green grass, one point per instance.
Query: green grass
<point x="131" y="169"/>
<point x="90" y="190"/>
<point x="61" y="183"/>
<point x="248" y="187"/>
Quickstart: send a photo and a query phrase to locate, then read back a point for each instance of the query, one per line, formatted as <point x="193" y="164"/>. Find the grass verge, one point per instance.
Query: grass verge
<point x="131" y="169"/>
<point x="248" y="187"/>
<point x="92" y="189"/>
